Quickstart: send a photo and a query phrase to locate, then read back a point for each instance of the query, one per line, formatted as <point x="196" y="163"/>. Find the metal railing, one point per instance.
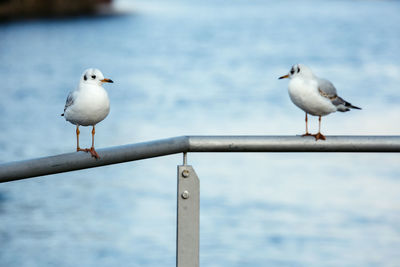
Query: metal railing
<point x="119" y="154"/>
<point x="188" y="183"/>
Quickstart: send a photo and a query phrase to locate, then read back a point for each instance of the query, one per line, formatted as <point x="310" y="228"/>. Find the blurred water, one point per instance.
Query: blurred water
<point x="203" y="67"/>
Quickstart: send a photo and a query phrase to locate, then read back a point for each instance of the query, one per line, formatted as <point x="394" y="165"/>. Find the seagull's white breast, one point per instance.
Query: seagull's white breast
<point x="90" y="106"/>
<point x="304" y="94"/>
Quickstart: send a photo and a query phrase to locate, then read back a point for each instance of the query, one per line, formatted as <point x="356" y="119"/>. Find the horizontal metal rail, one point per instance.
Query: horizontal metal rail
<point x="80" y="160"/>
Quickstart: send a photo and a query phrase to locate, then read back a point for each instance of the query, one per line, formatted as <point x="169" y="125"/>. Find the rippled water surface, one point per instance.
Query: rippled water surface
<point x="204" y="68"/>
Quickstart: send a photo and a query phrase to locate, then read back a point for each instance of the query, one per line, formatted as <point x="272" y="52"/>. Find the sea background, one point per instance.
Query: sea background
<point x="203" y="68"/>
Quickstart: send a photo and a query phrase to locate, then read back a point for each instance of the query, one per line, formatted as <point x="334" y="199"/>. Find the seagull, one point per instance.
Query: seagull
<point x="315" y="96"/>
<point x="88" y="105"/>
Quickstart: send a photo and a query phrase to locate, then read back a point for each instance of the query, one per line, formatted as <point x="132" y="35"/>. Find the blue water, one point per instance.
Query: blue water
<point x="203" y="67"/>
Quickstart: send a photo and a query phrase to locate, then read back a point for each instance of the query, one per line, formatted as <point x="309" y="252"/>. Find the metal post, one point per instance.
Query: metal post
<point x="184" y="158"/>
<point x="188" y="217"/>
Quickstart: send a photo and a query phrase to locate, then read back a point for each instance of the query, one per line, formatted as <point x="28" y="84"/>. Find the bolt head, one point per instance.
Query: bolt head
<point x="185" y="173"/>
<point x="185" y="194"/>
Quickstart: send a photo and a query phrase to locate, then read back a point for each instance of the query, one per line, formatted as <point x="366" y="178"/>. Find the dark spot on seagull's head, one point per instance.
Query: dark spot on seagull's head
<point x="295" y="69"/>
<point x="84" y="77"/>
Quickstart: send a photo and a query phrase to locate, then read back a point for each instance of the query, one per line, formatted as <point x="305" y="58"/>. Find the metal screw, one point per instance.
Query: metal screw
<point x="185" y="173"/>
<point x="185" y="194"/>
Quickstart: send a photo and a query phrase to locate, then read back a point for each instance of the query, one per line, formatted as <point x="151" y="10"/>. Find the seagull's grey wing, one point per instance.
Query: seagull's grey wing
<point x="328" y="90"/>
<point x="70" y="101"/>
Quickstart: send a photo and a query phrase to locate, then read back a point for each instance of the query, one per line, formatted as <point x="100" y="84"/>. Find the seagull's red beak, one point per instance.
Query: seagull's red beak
<point x="284" y="76"/>
<point x="107" y="80"/>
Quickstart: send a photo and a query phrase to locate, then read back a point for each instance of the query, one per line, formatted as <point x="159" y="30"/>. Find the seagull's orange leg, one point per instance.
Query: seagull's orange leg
<point x="307" y="133"/>
<point x="77" y="138"/>
<point x="92" y="150"/>
<point x="319" y="135"/>
<point x="77" y="141"/>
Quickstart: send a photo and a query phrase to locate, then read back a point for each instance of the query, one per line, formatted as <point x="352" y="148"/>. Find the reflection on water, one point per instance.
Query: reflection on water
<point x="207" y="67"/>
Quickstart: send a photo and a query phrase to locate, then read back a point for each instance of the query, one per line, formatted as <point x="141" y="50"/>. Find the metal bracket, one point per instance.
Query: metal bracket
<point x="188" y="217"/>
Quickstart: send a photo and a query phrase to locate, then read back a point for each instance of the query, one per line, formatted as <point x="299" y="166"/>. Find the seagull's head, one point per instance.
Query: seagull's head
<point x="94" y="76"/>
<point x="298" y="70"/>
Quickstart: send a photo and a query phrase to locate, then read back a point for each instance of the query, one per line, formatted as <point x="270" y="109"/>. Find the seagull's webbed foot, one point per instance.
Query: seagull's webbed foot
<point x="94" y="153"/>
<point x="91" y="150"/>
<point x="306" y="134"/>
<point x="319" y="136"/>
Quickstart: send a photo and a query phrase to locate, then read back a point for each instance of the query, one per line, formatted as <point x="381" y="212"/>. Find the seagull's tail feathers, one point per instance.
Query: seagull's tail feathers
<point x="342" y="105"/>
<point x="347" y="104"/>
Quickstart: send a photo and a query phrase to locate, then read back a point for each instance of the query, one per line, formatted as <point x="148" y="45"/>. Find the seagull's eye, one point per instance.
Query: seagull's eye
<point x="298" y="70"/>
<point x="292" y="71"/>
<point x="84" y="77"/>
<point x="93" y="77"/>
